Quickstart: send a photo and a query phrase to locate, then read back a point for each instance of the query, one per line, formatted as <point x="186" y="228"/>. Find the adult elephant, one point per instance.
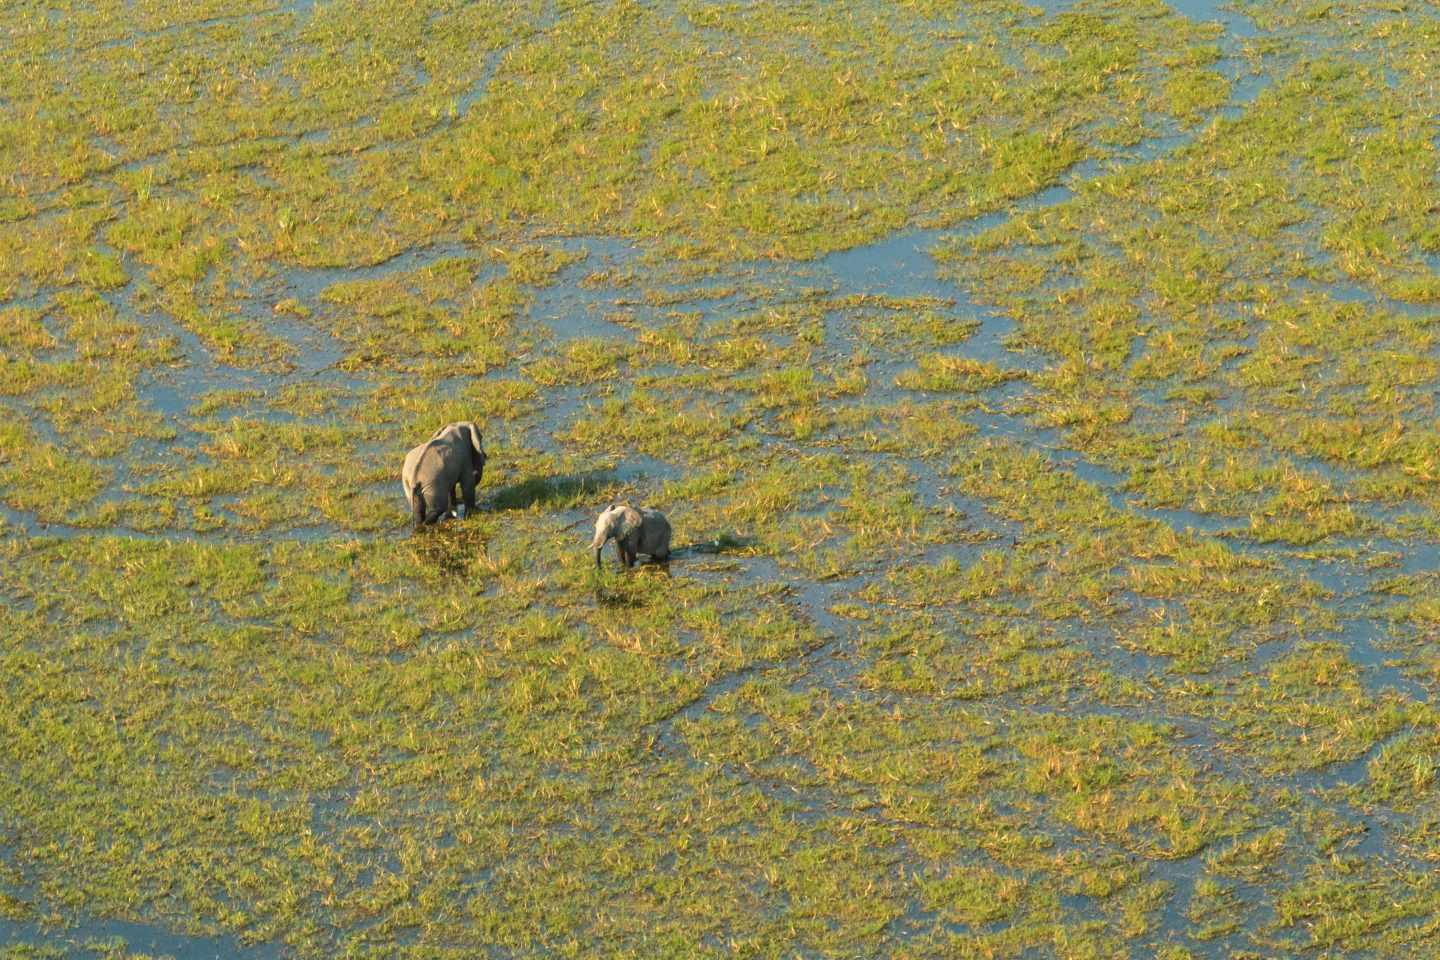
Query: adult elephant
<point x="454" y="455"/>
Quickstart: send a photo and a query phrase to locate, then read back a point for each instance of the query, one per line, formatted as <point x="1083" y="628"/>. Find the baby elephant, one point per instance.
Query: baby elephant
<point x="454" y="456"/>
<point x="634" y="531"/>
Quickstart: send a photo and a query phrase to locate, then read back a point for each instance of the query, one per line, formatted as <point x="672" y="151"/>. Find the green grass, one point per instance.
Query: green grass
<point x="1121" y="646"/>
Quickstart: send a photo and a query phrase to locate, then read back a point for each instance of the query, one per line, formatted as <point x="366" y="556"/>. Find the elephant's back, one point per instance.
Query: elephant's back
<point x="431" y="458"/>
<point x="422" y="463"/>
<point x="450" y="433"/>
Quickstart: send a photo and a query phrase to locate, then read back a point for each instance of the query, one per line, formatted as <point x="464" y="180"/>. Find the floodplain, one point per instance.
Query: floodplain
<point x="1043" y="395"/>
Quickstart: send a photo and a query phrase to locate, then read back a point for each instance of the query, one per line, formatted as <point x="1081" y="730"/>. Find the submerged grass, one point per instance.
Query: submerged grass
<point x="1072" y="602"/>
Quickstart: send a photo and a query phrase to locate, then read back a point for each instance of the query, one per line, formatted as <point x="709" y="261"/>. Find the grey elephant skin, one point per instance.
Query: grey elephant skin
<point x="455" y="455"/>
<point x="635" y="531"/>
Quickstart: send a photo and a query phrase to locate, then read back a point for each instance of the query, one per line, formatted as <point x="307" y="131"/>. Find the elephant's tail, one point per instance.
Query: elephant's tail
<point x="417" y="500"/>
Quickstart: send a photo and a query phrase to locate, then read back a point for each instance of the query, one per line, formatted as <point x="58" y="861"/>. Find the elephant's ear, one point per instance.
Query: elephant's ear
<point x="630" y="520"/>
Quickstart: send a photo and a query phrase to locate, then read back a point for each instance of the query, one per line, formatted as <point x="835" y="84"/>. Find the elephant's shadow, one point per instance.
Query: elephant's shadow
<point x="556" y="492"/>
<point x="725" y="543"/>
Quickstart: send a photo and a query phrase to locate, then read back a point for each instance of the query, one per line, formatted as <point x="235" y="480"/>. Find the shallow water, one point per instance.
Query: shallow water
<point x="85" y="938"/>
<point x="1040" y="664"/>
<point x="1236" y="24"/>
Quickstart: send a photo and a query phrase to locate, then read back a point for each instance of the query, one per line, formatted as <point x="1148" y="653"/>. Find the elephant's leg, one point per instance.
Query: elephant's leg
<point x="467" y="490"/>
<point x="417" y="503"/>
<point x="438" y="510"/>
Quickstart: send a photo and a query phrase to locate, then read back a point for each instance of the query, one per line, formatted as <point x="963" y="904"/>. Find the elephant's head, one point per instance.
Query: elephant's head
<point x="469" y="433"/>
<point x="617" y="522"/>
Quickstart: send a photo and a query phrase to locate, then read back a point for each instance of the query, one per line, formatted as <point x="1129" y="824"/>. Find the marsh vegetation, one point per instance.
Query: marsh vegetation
<point x="1043" y="396"/>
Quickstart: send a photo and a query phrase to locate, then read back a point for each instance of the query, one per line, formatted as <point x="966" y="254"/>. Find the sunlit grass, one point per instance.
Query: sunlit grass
<point x="1072" y="601"/>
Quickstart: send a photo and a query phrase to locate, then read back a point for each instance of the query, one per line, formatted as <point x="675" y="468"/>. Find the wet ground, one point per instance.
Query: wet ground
<point x="1043" y="398"/>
